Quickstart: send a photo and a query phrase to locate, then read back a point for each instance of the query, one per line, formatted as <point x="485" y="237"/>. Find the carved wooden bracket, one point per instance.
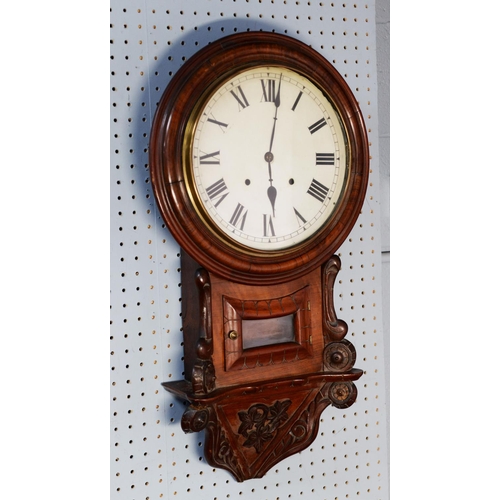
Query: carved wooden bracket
<point x="249" y="429"/>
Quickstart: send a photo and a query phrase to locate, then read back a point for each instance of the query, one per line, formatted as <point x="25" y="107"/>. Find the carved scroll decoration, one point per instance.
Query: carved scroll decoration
<point x="195" y="419"/>
<point x="334" y="329"/>
<point x="203" y="374"/>
<point x="220" y="450"/>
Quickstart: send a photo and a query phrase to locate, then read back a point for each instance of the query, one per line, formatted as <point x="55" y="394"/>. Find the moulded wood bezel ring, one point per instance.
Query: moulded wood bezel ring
<point x="220" y="60"/>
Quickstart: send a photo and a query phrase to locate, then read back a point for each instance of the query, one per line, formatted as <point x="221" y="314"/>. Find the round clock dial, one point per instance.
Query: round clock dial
<point x="268" y="161"/>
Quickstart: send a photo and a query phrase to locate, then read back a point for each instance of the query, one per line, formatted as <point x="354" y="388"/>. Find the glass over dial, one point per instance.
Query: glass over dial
<point x="268" y="160"/>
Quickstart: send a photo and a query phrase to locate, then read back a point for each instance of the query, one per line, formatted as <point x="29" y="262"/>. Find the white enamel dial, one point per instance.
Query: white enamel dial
<point x="268" y="159"/>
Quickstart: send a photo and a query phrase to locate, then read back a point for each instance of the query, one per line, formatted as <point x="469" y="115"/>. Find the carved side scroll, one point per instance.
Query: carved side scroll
<point x="334" y="329"/>
<point x="203" y="374"/>
<point x="339" y="355"/>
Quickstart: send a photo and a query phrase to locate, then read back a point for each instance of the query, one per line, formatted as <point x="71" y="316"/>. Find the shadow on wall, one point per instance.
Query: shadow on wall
<point x="173" y="57"/>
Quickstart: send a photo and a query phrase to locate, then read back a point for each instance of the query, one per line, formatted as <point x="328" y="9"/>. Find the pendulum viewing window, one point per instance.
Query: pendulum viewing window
<point x="262" y="332"/>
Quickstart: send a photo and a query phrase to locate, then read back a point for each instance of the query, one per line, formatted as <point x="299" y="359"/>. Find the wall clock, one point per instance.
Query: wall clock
<point x="259" y="165"/>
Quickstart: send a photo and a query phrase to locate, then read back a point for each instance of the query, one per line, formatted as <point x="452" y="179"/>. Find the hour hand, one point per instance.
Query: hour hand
<point x="271" y="194"/>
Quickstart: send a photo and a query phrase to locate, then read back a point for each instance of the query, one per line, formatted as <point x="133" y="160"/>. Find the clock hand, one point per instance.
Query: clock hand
<point x="277" y="103"/>
<point x="271" y="194"/>
<point x="271" y="190"/>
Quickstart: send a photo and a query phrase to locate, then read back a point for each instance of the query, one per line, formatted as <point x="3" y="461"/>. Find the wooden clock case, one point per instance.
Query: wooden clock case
<point x="264" y="352"/>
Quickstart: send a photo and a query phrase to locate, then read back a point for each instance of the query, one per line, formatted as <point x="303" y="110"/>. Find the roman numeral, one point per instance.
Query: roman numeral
<point x="297" y="101"/>
<point x="268" y="225"/>
<point x="217" y="191"/>
<point x="242" y="104"/>
<point x="237" y="216"/>
<point x="209" y="159"/>
<point x="299" y="217"/>
<point x="316" y="126"/>
<point x="317" y="190"/>
<point x="325" y="159"/>
<point x="217" y="122"/>
<point x="270" y="94"/>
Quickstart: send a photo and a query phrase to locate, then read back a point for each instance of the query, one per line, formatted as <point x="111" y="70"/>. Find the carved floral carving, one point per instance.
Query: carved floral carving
<point x="260" y="422"/>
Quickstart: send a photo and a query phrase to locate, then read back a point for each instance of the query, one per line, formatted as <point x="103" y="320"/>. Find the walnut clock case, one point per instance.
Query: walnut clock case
<point x="259" y="165"/>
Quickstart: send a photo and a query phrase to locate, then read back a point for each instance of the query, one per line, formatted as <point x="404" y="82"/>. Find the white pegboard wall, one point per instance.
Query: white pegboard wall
<point x="151" y="457"/>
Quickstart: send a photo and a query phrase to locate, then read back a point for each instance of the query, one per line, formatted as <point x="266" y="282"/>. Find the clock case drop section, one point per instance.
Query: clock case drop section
<point x="208" y="326"/>
<point x="306" y="375"/>
<point x="169" y="157"/>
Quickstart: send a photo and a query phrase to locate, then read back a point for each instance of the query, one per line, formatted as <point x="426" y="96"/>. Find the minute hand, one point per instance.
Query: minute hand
<point x="277" y="103"/>
<point x="271" y="190"/>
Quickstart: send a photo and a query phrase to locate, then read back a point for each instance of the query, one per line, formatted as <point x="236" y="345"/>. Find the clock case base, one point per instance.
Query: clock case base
<point x="261" y="364"/>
